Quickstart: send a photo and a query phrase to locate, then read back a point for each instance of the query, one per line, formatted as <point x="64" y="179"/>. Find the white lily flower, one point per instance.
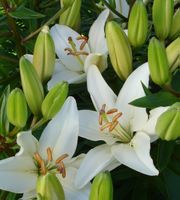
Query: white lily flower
<point x="127" y="130"/>
<point x="55" y="149"/>
<point x="76" y="52"/>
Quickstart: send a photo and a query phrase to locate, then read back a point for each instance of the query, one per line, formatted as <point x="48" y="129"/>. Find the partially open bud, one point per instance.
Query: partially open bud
<point x="173" y="54"/>
<point x="54" y="100"/>
<point x="17" y="108"/>
<point x="44" y="55"/>
<point x="48" y="187"/>
<point x="102" y="188"/>
<point x="71" y="17"/>
<point x="175" y="28"/>
<point x="158" y="63"/>
<point x="119" y="50"/>
<point x="162" y="17"/>
<point x="168" y="124"/>
<point x="32" y="86"/>
<point x="138" y="24"/>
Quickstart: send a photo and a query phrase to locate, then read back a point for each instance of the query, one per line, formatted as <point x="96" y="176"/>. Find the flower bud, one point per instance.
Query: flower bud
<point x="173" y="54"/>
<point x="48" y="187"/>
<point x="67" y="3"/>
<point x="44" y="55"/>
<point x="119" y="50"/>
<point x="17" y="108"/>
<point x="102" y="188"/>
<point x="54" y="100"/>
<point x="158" y="63"/>
<point x="32" y="86"/>
<point x="175" y="28"/>
<point x="71" y="17"/>
<point x="138" y="24"/>
<point x="168" y="126"/>
<point x="162" y="17"/>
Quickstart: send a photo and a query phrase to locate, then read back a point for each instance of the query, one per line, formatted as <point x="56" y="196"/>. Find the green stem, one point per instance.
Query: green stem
<point x="113" y="10"/>
<point x="169" y="89"/>
<point x="6" y="58"/>
<point x="14" y="132"/>
<point x="39" y="123"/>
<point x="47" y="23"/>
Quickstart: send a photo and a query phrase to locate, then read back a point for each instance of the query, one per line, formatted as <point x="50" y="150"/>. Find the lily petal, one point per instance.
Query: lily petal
<point x="136" y="155"/>
<point x="61" y="133"/>
<point x="131" y="114"/>
<point x="122" y="7"/>
<point x="97" y="41"/>
<point x="29" y="57"/>
<point x="64" y="74"/>
<point x="29" y="195"/>
<point x="96" y="160"/>
<point x="60" y="35"/>
<point x="71" y="192"/>
<point x="89" y="127"/>
<point x="17" y="174"/>
<point x="100" y="60"/>
<point x="99" y="90"/>
<point x="28" y="143"/>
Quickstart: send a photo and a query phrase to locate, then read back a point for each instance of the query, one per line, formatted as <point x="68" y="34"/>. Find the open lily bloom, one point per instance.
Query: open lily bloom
<point x="122" y="7"/>
<point x="76" y="52"/>
<point x="54" y="151"/>
<point x="127" y="130"/>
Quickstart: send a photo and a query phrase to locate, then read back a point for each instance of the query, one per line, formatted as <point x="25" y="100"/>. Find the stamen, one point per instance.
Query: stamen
<point x="113" y="126"/>
<point x="43" y="167"/>
<point x="49" y="154"/>
<point x="85" y="40"/>
<point x="61" y="158"/>
<point x="100" y="119"/>
<point x="38" y="158"/>
<point x="111" y="111"/>
<point x="117" y="116"/>
<point x="102" y="111"/>
<point x="105" y="126"/>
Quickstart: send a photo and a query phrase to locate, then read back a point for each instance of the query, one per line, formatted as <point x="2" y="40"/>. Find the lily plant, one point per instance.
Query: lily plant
<point x="51" y="154"/>
<point x="76" y="52"/>
<point x="126" y="130"/>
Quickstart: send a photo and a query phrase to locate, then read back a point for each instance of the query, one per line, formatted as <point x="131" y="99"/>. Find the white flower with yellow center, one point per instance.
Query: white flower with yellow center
<point x="76" y="52"/>
<point x="127" y="130"/>
<point x="51" y="154"/>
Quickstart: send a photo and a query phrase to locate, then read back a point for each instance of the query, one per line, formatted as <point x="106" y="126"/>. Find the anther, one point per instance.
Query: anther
<point x="100" y="119"/>
<point x="111" y="111"/>
<point x="61" y="158"/>
<point x="102" y="111"/>
<point x="113" y="126"/>
<point x="38" y="158"/>
<point x="105" y="126"/>
<point x="49" y="154"/>
<point x="117" y="116"/>
<point x="43" y="167"/>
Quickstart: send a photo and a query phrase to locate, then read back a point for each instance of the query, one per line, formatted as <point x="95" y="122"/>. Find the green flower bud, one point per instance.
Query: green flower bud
<point x="67" y="3"/>
<point x="102" y="187"/>
<point x="138" y="24"/>
<point x="44" y="55"/>
<point x="173" y="54"/>
<point x="162" y="17"/>
<point x="17" y="108"/>
<point x="175" y="28"/>
<point x="168" y="126"/>
<point x="158" y="63"/>
<point x="119" y="50"/>
<point x="32" y="86"/>
<point x="48" y="187"/>
<point x="71" y="17"/>
<point x="54" y="100"/>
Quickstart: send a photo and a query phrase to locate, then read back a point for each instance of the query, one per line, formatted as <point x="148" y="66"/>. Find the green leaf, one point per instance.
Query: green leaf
<point x="25" y="13"/>
<point x="165" y="150"/>
<point x="155" y="100"/>
<point x="146" y="90"/>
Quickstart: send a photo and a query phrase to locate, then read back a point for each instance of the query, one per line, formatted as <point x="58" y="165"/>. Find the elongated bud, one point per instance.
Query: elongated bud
<point x="54" y="100"/>
<point x="162" y="17"/>
<point x="67" y="3"/>
<point x="138" y="24"/>
<point x="168" y="124"/>
<point x="44" y="55"/>
<point x="119" y="50"/>
<point x="71" y="17"/>
<point x="32" y="86"/>
<point x="48" y="187"/>
<point x="17" y="108"/>
<point x="158" y="63"/>
<point x="173" y="54"/>
<point x="102" y="188"/>
<point x="175" y="28"/>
